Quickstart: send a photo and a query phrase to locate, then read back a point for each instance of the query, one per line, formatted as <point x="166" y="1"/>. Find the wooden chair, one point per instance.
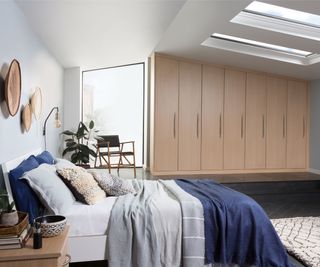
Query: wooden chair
<point x="109" y="146"/>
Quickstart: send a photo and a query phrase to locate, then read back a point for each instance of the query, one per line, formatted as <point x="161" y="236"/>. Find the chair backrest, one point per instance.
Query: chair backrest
<point x="112" y="139"/>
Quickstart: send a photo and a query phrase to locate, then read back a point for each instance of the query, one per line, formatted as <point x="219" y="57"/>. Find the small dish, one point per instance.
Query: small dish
<point x="51" y="225"/>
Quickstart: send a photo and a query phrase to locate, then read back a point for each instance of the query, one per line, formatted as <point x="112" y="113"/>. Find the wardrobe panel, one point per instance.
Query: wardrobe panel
<point x="212" y="118"/>
<point x="166" y="114"/>
<point x="189" y="116"/>
<point x="256" y="99"/>
<point x="234" y="119"/>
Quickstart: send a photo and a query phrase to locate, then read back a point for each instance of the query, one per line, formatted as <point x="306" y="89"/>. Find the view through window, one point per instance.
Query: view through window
<point x="113" y="99"/>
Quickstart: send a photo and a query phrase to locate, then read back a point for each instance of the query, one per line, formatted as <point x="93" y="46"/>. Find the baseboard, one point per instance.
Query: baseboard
<point x="245" y="171"/>
<point x="316" y="171"/>
<point x="146" y="168"/>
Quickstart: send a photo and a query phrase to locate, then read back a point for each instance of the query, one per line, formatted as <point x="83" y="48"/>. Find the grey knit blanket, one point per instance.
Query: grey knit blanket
<point x="159" y="226"/>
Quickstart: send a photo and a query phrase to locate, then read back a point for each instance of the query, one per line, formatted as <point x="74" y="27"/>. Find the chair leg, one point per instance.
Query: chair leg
<point x="100" y="159"/>
<point x="95" y="161"/>
<point x="119" y="163"/>
<point x="134" y="162"/>
<point x="109" y="162"/>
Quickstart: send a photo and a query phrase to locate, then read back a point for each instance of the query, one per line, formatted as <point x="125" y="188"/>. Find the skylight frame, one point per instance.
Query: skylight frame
<point x="275" y="24"/>
<point x="285" y="14"/>
<point x="258" y="51"/>
<point x="281" y="49"/>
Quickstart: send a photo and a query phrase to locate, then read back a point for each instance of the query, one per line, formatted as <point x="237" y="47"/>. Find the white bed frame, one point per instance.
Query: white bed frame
<point x="82" y="248"/>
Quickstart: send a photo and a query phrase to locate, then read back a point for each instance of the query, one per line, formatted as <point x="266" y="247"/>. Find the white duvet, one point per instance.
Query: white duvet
<point x="89" y="220"/>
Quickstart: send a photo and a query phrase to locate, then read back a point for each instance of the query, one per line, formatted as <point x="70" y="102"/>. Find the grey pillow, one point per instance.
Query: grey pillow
<point x="63" y="163"/>
<point x="52" y="192"/>
<point x="111" y="184"/>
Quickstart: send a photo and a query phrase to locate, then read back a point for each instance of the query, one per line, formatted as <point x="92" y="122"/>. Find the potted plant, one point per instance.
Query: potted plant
<point x="78" y="145"/>
<point x="9" y="216"/>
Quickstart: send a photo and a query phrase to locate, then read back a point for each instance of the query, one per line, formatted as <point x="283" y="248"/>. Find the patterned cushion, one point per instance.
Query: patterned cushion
<point x="113" y="185"/>
<point x="82" y="185"/>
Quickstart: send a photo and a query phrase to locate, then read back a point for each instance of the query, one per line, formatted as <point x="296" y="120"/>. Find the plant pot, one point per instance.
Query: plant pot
<point x="9" y="219"/>
<point x="83" y="165"/>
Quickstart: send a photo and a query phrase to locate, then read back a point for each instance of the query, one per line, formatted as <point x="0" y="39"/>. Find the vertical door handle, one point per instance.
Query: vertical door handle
<point x="220" y="126"/>
<point x="262" y="126"/>
<point x="304" y="127"/>
<point x="241" y="126"/>
<point x="284" y="126"/>
<point x="174" y="125"/>
<point x="198" y="125"/>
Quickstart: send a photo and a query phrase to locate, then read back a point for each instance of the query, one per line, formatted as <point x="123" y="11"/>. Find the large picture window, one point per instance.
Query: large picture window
<point x="113" y="99"/>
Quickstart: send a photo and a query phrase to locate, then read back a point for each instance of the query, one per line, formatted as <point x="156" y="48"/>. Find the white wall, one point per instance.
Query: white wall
<point x="72" y="103"/>
<point x="38" y="68"/>
<point x="314" y="125"/>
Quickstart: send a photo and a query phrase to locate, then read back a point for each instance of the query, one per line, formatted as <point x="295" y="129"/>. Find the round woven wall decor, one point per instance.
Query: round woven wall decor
<point x="12" y="90"/>
<point x="27" y="117"/>
<point x="36" y="103"/>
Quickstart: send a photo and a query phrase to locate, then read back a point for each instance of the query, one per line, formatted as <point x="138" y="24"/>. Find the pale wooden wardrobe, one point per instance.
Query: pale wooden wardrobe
<point x="215" y="119"/>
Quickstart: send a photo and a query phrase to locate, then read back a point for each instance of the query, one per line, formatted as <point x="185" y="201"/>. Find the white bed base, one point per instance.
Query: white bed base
<point x="82" y="248"/>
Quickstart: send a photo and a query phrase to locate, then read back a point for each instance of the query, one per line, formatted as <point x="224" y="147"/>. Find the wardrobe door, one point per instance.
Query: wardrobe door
<point x="234" y="119"/>
<point x="276" y="123"/>
<point x="297" y="124"/>
<point x="166" y="114"/>
<point x="189" y="116"/>
<point x="256" y="99"/>
<point x="212" y="118"/>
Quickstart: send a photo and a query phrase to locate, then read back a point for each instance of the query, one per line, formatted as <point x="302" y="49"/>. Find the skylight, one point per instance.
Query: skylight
<point x="260" y="49"/>
<point x="280" y="19"/>
<point x="262" y="45"/>
<point x="283" y="13"/>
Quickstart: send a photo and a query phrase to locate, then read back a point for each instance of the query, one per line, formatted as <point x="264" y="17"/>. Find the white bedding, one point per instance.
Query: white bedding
<point x="89" y="220"/>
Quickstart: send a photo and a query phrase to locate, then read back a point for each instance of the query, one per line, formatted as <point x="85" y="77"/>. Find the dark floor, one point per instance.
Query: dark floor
<point x="280" y="199"/>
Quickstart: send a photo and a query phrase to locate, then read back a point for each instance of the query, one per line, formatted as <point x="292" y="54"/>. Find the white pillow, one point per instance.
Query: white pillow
<point x="53" y="193"/>
<point x="112" y="185"/>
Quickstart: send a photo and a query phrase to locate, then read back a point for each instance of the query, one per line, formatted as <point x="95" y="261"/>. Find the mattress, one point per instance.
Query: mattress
<point x="90" y="220"/>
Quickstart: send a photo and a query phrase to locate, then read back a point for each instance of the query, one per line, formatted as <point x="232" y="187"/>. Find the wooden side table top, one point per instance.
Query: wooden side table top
<point x="51" y="248"/>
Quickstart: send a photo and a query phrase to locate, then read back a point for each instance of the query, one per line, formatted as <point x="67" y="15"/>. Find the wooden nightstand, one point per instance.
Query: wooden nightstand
<point x="54" y="253"/>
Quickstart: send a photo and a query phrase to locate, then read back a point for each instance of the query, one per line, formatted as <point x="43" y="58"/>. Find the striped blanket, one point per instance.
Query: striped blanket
<point x="161" y="225"/>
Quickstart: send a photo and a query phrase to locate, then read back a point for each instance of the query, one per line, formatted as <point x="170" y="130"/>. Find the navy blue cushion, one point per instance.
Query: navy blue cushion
<point x="25" y="199"/>
<point x="45" y="157"/>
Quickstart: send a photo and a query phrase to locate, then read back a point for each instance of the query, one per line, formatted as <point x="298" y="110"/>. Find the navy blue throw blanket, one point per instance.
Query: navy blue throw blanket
<point x="237" y="230"/>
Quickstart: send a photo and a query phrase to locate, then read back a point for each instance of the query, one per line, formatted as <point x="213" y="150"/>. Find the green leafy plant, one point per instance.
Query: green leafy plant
<point x="78" y="145"/>
<point x="5" y="205"/>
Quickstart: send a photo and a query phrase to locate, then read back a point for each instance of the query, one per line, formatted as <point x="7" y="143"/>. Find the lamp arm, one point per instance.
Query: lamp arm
<point x="45" y="122"/>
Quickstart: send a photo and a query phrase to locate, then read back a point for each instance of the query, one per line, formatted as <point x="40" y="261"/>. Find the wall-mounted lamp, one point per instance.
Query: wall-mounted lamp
<point x="57" y="123"/>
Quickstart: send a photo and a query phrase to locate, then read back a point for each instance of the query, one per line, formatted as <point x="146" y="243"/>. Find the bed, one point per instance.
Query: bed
<point x="78" y="242"/>
<point x="184" y="215"/>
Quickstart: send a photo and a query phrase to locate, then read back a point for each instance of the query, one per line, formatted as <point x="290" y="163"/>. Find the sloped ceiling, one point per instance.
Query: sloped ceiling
<point x="197" y="20"/>
<point x="102" y="33"/>
<point x="99" y="33"/>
